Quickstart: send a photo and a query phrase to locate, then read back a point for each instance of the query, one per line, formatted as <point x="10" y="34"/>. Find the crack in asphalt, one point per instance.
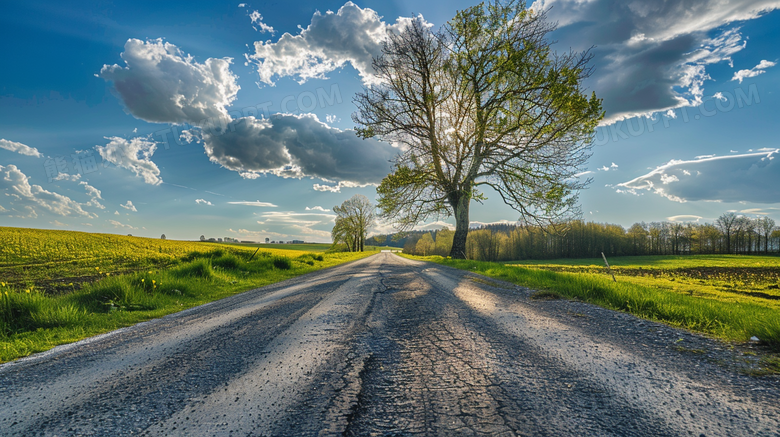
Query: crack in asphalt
<point x="391" y="347"/>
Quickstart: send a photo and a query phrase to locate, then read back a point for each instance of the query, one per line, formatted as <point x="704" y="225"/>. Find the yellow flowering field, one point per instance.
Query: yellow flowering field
<point x="58" y="261"/>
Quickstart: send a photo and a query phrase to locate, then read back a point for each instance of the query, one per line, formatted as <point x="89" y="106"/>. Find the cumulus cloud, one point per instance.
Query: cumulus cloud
<point x="94" y="194"/>
<point x="435" y="226"/>
<point x="135" y="155"/>
<point x="753" y="72"/>
<point x="33" y="198"/>
<point x="161" y="84"/>
<point x="351" y="35"/>
<point x="337" y="188"/>
<point x="19" y="148"/>
<point x="129" y="206"/>
<point x="259" y="26"/>
<point x="203" y="202"/>
<point x="327" y="188"/>
<point x="67" y="177"/>
<point x="317" y="208"/>
<point x="255" y="203"/>
<point x="298" y="146"/>
<point x="750" y="177"/>
<point x="652" y="56"/>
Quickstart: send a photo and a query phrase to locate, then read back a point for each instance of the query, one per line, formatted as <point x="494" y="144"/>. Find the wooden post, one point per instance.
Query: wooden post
<point x="258" y="248"/>
<point x="608" y="269"/>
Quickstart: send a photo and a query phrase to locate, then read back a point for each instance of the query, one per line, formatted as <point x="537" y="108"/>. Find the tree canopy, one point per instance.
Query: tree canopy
<point x="482" y="102"/>
<point x="353" y="218"/>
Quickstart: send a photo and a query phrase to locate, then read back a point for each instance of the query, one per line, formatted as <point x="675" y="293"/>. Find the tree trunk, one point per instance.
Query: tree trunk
<point x="460" y="204"/>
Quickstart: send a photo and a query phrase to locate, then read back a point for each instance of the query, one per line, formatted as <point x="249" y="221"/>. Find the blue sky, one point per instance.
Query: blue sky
<point x="114" y="115"/>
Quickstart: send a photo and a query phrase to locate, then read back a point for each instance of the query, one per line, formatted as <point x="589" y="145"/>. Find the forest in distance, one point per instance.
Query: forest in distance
<point x="730" y="234"/>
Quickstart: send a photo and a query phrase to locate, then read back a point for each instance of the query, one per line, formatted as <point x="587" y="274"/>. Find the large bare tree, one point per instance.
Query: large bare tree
<point x="482" y="102"/>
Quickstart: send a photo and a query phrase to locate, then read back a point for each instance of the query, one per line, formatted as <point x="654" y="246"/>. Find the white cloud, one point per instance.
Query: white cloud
<point x="606" y="168"/>
<point x="753" y="72"/>
<point x="257" y="20"/>
<point x="246" y="234"/>
<point x="129" y="206"/>
<point x="300" y="223"/>
<point x="684" y="218"/>
<point x="327" y="188"/>
<point x="331" y="118"/>
<point x="352" y="35"/>
<point x="255" y="203"/>
<point x="20" y="148"/>
<point x="67" y="177"/>
<point x="60" y="224"/>
<point x="33" y="198"/>
<point x="294" y="146"/>
<point x="755" y="211"/>
<point x="584" y="173"/>
<point x="94" y="194"/>
<point x="116" y="213"/>
<point x="317" y="208"/>
<point x="135" y="155"/>
<point x="750" y="177"/>
<point x="120" y="225"/>
<point x="651" y="56"/>
<point x="204" y="202"/>
<point x="190" y="135"/>
<point x="435" y="226"/>
<point x="161" y="84"/>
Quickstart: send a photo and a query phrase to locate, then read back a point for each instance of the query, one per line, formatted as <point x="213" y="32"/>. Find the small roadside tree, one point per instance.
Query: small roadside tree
<point x="353" y="218"/>
<point x="425" y="245"/>
<point x="444" y="242"/>
<point x="482" y="102"/>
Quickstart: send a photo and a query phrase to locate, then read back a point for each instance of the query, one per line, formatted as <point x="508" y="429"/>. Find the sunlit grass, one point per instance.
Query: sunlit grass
<point x="698" y="306"/>
<point x="53" y="259"/>
<point x="33" y="319"/>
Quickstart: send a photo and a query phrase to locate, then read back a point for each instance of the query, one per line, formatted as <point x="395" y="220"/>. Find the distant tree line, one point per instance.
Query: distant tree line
<point x="730" y="234"/>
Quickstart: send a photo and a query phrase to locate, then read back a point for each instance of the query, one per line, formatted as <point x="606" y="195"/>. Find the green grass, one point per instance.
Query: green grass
<point x="34" y="319"/>
<point x="729" y="315"/>
<point x="52" y="260"/>
<point x="663" y="261"/>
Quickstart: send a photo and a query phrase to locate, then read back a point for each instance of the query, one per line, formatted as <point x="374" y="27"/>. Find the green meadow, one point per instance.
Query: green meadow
<point x="730" y="297"/>
<point x="57" y="287"/>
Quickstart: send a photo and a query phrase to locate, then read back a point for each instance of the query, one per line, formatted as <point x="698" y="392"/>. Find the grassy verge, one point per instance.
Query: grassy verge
<point x="729" y="320"/>
<point x="33" y="321"/>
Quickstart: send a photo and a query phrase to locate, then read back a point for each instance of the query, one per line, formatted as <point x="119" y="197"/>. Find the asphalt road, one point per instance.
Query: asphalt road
<point x="385" y="346"/>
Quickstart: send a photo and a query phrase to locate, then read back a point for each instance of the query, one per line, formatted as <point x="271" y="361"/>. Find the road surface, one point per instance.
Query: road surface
<point x="392" y="347"/>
